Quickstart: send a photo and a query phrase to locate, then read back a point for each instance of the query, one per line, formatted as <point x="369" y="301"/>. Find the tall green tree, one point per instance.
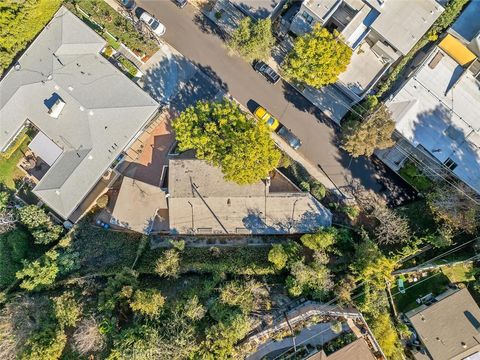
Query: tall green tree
<point x="40" y="272"/>
<point x="374" y="132"/>
<point x="148" y="302"/>
<point x="222" y="134"/>
<point x="317" y="58"/>
<point x="253" y="39"/>
<point x="39" y="224"/>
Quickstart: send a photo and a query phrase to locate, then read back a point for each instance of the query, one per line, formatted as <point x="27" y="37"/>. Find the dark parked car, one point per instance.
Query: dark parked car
<point x="266" y="71"/>
<point x="128" y="4"/>
<point x="289" y="137"/>
<point x="181" y="3"/>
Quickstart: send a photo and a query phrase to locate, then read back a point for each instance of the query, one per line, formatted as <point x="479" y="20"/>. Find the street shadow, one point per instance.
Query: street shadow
<point x="294" y="97"/>
<point x="207" y="26"/>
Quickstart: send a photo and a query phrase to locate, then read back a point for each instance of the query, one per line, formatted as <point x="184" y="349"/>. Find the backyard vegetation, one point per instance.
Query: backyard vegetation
<point x="108" y="19"/>
<point x="253" y="40"/>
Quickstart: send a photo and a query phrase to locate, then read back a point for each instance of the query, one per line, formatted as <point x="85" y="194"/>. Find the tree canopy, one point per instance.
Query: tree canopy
<point x="221" y="134"/>
<point x="252" y="39"/>
<point x="374" y="132"/>
<point x="317" y="58"/>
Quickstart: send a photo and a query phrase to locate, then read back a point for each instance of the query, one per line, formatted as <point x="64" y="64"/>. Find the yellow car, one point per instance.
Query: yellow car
<point x="267" y="118"/>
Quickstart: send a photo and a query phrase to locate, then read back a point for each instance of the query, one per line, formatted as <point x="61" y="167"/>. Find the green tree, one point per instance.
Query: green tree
<point x="48" y="344"/>
<point x="322" y="240"/>
<point x="253" y="39"/>
<point x="193" y="309"/>
<point x="39" y="224"/>
<point x="67" y="309"/>
<point x="317" y="58"/>
<point x="112" y="295"/>
<point x="375" y="132"/>
<point x="239" y="293"/>
<point x="314" y="279"/>
<point x="168" y="265"/>
<point x="139" y="341"/>
<point x="278" y="256"/>
<point x="40" y="272"/>
<point x="148" y="302"/>
<point x="386" y="335"/>
<point x="222" y="135"/>
<point x="14" y="246"/>
<point x="4" y="198"/>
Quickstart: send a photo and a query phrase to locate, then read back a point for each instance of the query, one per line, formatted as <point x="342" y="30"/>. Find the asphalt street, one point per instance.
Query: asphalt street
<point x="193" y="35"/>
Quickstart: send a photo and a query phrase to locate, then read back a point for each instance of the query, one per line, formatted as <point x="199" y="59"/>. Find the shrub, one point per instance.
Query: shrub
<point x="14" y="246"/>
<point x="40" y="272"/>
<point x="178" y="244"/>
<point x="413" y="176"/>
<point x="102" y="201"/>
<point x="278" y="256"/>
<point x="39" y="224"/>
<point x="128" y="66"/>
<point x="67" y="309"/>
<point x="168" y="265"/>
<point x="147" y="302"/>
<point x="305" y="186"/>
<point x="318" y="190"/>
<point x="47" y="344"/>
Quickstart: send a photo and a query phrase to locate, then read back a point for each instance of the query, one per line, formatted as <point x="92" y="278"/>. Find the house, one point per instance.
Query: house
<point x="449" y="328"/>
<point x="84" y="111"/>
<point x="379" y="32"/>
<point x="437" y="110"/>
<point x="356" y="350"/>
<point x="201" y="201"/>
<point x="259" y="9"/>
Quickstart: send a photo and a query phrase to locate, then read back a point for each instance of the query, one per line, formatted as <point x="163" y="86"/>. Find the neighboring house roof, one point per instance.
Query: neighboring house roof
<point x="449" y="329"/>
<point x="259" y="9"/>
<point x="467" y="25"/>
<point x="357" y="350"/>
<point x="140" y="207"/>
<point x="403" y="23"/>
<point x="439" y="108"/>
<point x="103" y="109"/>
<point x="200" y="198"/>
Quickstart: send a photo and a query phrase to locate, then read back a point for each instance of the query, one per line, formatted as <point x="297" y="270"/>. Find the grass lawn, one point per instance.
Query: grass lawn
<point x="434" y="284"/>
<point x="419" y="216"/>
<point x="459" y="273"/>
<point x="8" y="167"/>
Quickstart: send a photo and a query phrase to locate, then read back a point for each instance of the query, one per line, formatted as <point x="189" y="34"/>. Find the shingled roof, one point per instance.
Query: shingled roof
<point x="103" y="110"/>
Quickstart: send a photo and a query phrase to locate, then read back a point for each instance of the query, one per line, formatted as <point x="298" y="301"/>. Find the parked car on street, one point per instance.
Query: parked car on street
<point x="266" y="71"/>
<point x="128" y="4"/>
<point x="181" y="3"/>
<point x="289" y="137"/>
<point x="157" y="27"/>
<point x="263" y="115"/>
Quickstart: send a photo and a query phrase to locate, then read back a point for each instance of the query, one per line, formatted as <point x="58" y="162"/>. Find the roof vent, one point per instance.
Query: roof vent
<point x="70" y="88"/>
<point x="56" y="108"/>
<point x="90" y="113"/>
<point x="82" y="108"/>
<point x="57" y="192"/>
<point x="464" y="345"/>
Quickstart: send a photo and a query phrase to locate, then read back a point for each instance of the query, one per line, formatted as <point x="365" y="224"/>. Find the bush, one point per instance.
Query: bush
<point x="14" y="246"/>
<point x="168" y="265"/>
<point x="39" y="224"/>
<point x="67" y="309"/>
<point x="48" y="344"/>
<point x="128" y="66"/>
<point x="278" y="256"/>
<point x="415" y="178"/>
<point x="40" y="272"/>
<point x="147" y="302"/>
<point x="305" y="186"/>
<point x="318" y="190"/>
<point x="351" y="211"/>
<point x="102" y="201"/>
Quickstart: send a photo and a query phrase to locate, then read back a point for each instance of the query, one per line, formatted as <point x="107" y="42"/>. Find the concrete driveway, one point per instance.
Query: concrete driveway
<point x="194" y="36"/>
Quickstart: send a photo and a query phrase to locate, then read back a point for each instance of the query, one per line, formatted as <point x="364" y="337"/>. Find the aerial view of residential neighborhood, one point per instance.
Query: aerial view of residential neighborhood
<point x="240" y="179"/>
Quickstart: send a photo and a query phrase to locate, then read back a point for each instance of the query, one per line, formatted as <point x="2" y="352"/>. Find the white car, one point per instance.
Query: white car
<point x="157" y="27"/>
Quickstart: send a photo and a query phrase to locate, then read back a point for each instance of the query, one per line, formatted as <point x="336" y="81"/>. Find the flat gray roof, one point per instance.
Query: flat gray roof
<point x="439" y="109"/>
<point x="218" y="206"/>
<point x="449" y="329"/>
<point x="259" y="9"/>
<point x="103" y="109"/>
<point x="403" y="23"/>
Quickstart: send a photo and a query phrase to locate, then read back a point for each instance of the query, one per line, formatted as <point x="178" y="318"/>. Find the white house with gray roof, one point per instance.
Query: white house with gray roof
<point x="379" y="32"/>
<point x="85" y="110"/>
<point x="437" y="114"/>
